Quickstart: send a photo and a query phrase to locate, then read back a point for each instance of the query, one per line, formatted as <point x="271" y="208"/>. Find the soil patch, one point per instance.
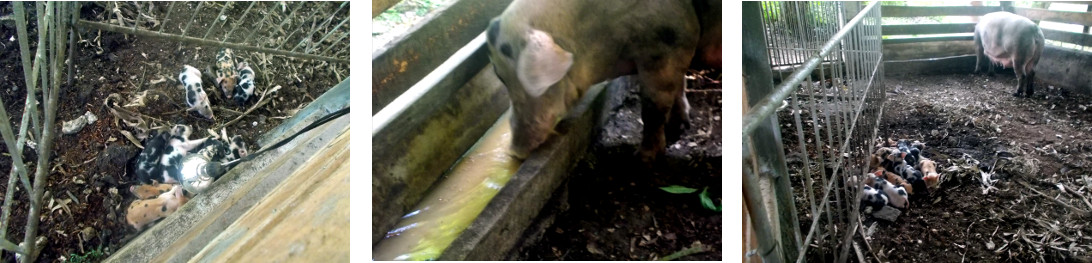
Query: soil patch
<point x="612" y="209"/>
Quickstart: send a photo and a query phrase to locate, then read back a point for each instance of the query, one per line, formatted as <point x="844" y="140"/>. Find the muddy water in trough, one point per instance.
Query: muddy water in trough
<point x="967" y="122"/>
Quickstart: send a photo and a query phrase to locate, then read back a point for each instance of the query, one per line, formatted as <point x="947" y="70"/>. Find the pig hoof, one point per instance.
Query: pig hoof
<point x="1016" y="94"/>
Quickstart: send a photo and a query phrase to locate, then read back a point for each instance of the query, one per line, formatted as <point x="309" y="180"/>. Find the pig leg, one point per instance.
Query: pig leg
<point x="680" y="117"/>
<point x="660" y="89"/>
<point x="1018" y="61"/>
<point x="981" y="55"/>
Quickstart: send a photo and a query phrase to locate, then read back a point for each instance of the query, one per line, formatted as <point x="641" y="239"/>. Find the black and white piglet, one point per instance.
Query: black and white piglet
<point x="914" y="153"/>
<point x="245" y="88"/>
<point x="896" y="195"/>
<point x="870" y="197"/>
<point x="177" y="147"/>
<point x="196" y="98"/>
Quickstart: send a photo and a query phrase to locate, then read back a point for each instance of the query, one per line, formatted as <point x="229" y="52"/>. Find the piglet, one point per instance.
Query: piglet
<point x="896" y="195"/>
<point x="145" y="191"/>
<point x="913" y="153"/>
<point x="196" y="98"/>
<point x="147" y="168"/>
<point x="914" y="176"/>
<point x="870" y="197"/>
<point x="931" y="178"/>
<point x="245" y="88"/>
<point x="177" y="147"/>
<point x="895" y="179"/>
<point x="226" y="76"/>
<point x="144" y="212"/>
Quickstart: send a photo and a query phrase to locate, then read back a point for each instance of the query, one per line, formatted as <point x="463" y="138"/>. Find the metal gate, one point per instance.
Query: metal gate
<point x="827" y="60"/>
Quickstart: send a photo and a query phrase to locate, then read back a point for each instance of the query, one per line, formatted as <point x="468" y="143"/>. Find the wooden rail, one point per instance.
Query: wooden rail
<point x="913" y="11"/>
<point x="1080" y="18"/>
<point x="923" y="29"/>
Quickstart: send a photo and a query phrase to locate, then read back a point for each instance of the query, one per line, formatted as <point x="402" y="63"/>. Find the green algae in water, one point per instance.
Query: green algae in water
<point x="451" y="206"/>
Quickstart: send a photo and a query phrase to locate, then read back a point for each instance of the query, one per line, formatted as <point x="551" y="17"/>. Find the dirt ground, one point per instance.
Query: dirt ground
<point x="610" y="209"/>
<point x="88" y="173"/>
<point x="1036" y="153"/>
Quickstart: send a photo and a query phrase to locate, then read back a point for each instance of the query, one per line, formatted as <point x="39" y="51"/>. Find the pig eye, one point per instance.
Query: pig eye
<point x="506" y="50"/>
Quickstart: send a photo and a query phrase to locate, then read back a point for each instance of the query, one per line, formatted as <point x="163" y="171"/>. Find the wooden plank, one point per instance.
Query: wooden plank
<point x="378" y="6"/>
<point x="1080" y="18"/>
<point x="923" y="29"/>
<point x="947" y="65"/>
<point x="405" y="61"/>
<point x="1068" y="37"/>
<point x="926" y="39"/>
<point x="927" y="50"/>
<point x="311" y="206"/>
<point x="913" y="11"/>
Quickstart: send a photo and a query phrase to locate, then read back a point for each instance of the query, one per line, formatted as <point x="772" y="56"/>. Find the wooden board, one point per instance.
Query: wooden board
<point x="1068" y="37"/>
<point x="378" y="6"/>
<point x="913" y="11"/>
<point x="924" y="29"/>
<point x="403" y="62"/>
<point x="923" y="50"/>
<point x="306" y="218"/>
<point x="927" y="39"/>
<point x="947" y="65"/>
<point x="1080" y="18"/>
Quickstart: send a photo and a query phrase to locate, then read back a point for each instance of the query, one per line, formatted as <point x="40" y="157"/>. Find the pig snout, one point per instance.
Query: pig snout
<point x="1012" y="41"/>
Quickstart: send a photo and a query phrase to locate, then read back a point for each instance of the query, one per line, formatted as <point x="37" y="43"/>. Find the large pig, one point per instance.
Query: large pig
<point x="1012" y="41"/>
<point x="548" y="52"/>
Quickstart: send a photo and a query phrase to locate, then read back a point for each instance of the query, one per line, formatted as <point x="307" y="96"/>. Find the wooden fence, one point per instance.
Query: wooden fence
<point x="928" y="53"/>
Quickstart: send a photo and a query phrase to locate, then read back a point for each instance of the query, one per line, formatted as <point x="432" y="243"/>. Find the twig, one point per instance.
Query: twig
<point x="228" y="110"/>
<point x="1082" y="212"/>
<point x="861" y="230"/>
<point x="696" y="248"/>
<point x="261" y="102"/>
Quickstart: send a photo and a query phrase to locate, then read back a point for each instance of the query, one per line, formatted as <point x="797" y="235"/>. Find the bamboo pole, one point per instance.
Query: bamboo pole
<point x="9" y="194"/>
<point x="312" y="48"/>
<point x="187" y="28"/>
<point x="323" y="25"/>
<point x="170" y="8"/>
<point x="247" y="39"/>
<point x="205" y="42"/>
<point x="46" y="141"/>
<point x="217" y="19"/>
<point x="328" y="47"/>
<point x="240" y="21"/>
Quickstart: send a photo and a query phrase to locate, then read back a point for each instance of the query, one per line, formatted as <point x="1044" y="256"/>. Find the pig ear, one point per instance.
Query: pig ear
<point x="541" y="63"/>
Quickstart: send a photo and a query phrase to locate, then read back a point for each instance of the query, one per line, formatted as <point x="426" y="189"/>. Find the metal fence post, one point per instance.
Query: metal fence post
<point x="767" y="136"/>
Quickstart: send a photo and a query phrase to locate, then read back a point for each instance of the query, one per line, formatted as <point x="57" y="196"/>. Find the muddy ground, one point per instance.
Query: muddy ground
<point x="1036" y="152"/>
<point x="88" y="173"/>
<point x="611" y="209"/>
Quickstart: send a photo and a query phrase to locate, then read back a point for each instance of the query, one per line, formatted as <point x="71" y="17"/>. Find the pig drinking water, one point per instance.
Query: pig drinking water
<point x="1012" y="41"/>
<point x="547" y="54"/>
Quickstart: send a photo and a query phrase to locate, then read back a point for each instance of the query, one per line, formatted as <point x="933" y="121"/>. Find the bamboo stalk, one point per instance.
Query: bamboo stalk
<point x="9" y="194"/>
<point x="240" y="21"/>
<point x="7" y="245"/>
<point x="343" y="36"/>
<point x="281" y="25"/>
<point x="187" y="28"/>
<point x="260" y="24"/>
<point x="323" y="25"/>
<point x="198" y="41"/>
<point x="46" y="141"/>
<point x="312" y="48"/>
<point x="217" y="19"/>
<point x="168" y="17"/>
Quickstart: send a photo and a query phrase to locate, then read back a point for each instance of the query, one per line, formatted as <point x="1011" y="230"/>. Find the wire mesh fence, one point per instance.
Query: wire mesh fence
<point x="827" y="111"/>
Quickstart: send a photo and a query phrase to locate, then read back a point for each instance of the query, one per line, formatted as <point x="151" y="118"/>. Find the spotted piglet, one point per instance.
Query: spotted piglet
<point x="896" y="195"/>
<point x="177" y="147"/>
<point x="870" y="197"/>
<point x="245" y="88"/>
<point x="226" y="76"/>
<point x="143" y="212"/>
<point x="145" y="191"/>
<point x="147" y="168"/>
<point x="196" y="98"/>
<point x="895" y="179"/>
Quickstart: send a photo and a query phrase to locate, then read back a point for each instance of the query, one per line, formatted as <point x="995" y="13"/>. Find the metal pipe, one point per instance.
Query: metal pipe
<point x="767" y="106"/>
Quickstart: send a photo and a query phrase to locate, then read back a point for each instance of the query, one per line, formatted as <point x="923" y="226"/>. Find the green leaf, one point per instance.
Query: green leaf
<point x="706" y="201"/>
<point x="678" y="189"/>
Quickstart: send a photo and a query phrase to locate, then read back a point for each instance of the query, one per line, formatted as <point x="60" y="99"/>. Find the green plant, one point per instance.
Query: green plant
<point x="706" y="201"/>
<point x="95" y="255"/>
